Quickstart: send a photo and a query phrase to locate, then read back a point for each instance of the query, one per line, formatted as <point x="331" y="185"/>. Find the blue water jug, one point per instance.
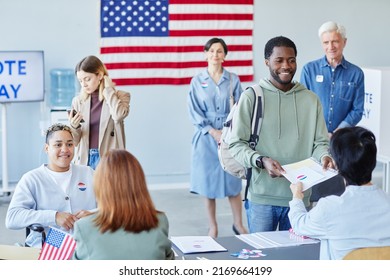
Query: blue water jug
<point x="62" y="89"/>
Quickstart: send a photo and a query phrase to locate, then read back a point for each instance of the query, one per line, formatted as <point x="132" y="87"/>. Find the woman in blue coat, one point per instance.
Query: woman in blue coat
<point x="208" y="105"/>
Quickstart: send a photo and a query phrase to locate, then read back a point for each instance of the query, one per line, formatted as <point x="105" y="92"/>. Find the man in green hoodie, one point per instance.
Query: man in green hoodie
<point x="293" y="129"/>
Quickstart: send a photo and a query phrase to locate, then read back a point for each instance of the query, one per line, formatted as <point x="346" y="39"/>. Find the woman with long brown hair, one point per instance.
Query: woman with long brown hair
<point x="126" y="225"/>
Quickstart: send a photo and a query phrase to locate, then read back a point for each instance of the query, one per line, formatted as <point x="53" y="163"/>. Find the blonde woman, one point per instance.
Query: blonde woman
<point x="98" y="112"/>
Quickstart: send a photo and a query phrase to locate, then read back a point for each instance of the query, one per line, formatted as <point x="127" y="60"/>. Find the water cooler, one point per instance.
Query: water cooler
<point x="62" y="91"/>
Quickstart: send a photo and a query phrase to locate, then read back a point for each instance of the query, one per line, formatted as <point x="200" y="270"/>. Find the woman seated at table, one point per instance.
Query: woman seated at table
<point x="127" y="225"/>
<point x="360" y="217"/>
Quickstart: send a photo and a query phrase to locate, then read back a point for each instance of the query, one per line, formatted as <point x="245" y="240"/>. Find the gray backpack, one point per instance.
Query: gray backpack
<point x="228" y="163"/>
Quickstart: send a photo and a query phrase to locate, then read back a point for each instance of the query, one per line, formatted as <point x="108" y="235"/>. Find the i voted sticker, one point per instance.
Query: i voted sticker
<point x="81" y="186"/>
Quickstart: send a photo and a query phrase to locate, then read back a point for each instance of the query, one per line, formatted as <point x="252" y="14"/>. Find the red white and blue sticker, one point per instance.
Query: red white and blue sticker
<point x="81" y="186"/>
<point x="301" y="177"/>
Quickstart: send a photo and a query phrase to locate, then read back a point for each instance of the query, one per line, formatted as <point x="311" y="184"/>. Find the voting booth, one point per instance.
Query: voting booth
<point x="376" y="115"/>
<point x="21" y="80"/>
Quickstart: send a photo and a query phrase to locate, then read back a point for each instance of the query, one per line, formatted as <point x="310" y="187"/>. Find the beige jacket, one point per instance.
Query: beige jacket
<point x="115" y="109"/>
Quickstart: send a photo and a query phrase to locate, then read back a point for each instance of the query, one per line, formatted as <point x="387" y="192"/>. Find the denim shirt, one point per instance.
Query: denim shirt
<point x="341" y="91"/>
<point x="208" y="102"/>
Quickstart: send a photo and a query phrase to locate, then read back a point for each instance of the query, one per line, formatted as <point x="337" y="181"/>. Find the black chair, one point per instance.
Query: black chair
<point x="38" y="228"/>
<point x="332" y="186"/>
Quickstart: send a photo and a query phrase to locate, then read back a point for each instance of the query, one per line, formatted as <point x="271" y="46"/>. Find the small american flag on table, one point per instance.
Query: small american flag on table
<point x="58" y="245"/>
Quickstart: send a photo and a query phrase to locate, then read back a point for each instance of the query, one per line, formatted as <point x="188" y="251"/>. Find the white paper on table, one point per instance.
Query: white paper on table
<point x="307" y="171"/>
<point x="274" y="239"/>
<point x="196" y="244"/>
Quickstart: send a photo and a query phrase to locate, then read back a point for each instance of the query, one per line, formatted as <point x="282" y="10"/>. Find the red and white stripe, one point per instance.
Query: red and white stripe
<point x="179" y="57"/>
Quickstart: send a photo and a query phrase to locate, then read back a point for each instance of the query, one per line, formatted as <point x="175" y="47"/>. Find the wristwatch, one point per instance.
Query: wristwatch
<point x="259" y="162"/>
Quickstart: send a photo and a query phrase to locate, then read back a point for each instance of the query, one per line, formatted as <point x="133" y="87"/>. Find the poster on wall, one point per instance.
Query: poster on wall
<point x="21" y="76"/>
<point x="376" y="114"/>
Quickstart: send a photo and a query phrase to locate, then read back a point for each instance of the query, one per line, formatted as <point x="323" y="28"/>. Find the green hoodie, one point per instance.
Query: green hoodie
<point x="293" y="129"/>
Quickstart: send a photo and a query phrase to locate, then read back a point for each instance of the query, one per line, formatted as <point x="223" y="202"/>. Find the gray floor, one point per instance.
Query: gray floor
<point x="185" y="211"/>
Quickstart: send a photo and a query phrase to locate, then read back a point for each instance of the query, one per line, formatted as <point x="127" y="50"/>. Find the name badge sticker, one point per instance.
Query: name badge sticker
<point x="319" y="78"/>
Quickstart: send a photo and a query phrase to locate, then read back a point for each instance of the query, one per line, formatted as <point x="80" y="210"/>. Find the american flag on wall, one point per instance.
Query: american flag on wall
<point x="161" y="41"/>
<point x="58" y="245"/>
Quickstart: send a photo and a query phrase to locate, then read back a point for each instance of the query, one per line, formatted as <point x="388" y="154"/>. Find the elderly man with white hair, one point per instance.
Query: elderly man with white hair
<point x="338" y="83"/>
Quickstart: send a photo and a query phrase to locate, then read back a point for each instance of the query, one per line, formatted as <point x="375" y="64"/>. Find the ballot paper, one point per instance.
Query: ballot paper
<point x="196" y="244"/>
<point x="308" y="171"/>
<point x="275" y="239"/>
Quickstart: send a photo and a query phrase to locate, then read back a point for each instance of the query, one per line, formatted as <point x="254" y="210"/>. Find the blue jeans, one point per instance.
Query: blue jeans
<point x="266" y="217"/>
<point x="93" y="158"/>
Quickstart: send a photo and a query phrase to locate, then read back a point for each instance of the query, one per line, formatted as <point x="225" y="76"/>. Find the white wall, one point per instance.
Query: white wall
<point x="158" y="130"/>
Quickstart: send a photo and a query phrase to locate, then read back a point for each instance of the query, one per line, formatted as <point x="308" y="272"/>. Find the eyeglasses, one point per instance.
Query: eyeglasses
<point x="56" y="127"/>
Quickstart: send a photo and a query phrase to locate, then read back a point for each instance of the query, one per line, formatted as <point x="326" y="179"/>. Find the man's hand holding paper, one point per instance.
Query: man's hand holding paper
<point x="309" y="172"/>
<point x="327" y="163"/>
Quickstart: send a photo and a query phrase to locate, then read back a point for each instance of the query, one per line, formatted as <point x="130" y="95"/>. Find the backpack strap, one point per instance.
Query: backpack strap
<point x="258" y="109"/>
<point x="248" y="181"/>
<point x="257" y="117"/>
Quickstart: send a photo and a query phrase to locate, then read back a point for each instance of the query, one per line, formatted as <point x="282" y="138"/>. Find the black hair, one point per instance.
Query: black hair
<point x="213" y="41"/>
<point x="279" y="41"/>
<point x="354" y="152"/>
